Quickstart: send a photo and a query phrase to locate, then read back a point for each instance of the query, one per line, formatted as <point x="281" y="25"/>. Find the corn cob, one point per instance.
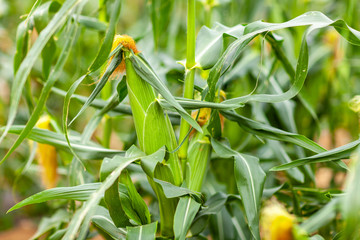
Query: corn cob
<point x="200" y="148"/>
<point x="46" y="156"/>
<point x="154" y="131"/>
<point x="277" y="223"/>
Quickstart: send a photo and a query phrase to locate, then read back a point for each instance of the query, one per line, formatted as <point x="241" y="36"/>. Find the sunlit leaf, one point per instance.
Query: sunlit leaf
<point x="143" y="232"/>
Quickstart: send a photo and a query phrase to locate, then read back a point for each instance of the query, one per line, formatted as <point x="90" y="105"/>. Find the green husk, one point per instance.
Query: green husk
<point x="154" y="131"/>
<point x="198" y="157"/>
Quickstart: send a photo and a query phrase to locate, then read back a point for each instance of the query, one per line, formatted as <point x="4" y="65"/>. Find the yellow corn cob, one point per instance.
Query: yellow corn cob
<point x="276" y="223"/>
<point x="46" y="156"/>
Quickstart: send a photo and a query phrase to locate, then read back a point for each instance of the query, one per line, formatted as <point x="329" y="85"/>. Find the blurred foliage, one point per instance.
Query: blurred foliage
<point x="320" y="112"/>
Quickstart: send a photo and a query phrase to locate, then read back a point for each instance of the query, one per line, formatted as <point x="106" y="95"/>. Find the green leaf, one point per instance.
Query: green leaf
<point x="41" y="18"/>
<point x="107" y="226"/>
<point x="22" y="36"/>
<point x="299" y="79"/>
<point x="48" y="54"/>
<point x="104" y="78"/>
<point x="65" y="113"/>
<point x="57" y="235"/>
<point x="53" y="77"/>
<point x="250" y="179"/>
<point x="267" y="131"/>
<point x="99" y="104"/>
<point x="213" y="206"/>
<point x="342" y="152"/>
<point x="283" y="157"/>
<point x="148" y="164"/>
<point x="322" y="217"/>
<point x="269" y="192"/>
<point x="116" y="205"/>
<point x="111" y="196"/>
<point x="113" y="200"/>
<point x="89" y="150"/>
<point x="122" y="89"/>
<point x="196" y="104"/>
<point x="316" y="237"/>
<point x="41" y="15"/>
<point x="92" y="23"/>
<point x="126" y="206"/>
<point x="172" y="191"/>
<point x="154" y="123"/>
<point x="211" y="43"/>
<point x="143" y="232"/>
<point x="21" y="75"/>
<point x="281" y="56"/>
<point x="144" y="70"/>
<point x="79" y="193"/>
<point x="232" y="53"/>
<point x="109" y="37"/>
<point x="350" y="203"/>
<point x="184" y="215"/>
<point x="285" y="110"/>
<point x="199" y="153"/>
<point x="83" y="216"/>
<point x="161" y="14"/>
<point x="216" y="202"/>
<point x="138" y="204"/>
<point x="52" y="223"/>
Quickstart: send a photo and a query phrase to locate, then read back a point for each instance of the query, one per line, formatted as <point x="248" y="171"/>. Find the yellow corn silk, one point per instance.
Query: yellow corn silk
<point x="128" y="43"/>
<point x="276" y="223"/>
<point x="203" y="117"/>
<point x="205" y="113"/>
<point x="46" y="156"/>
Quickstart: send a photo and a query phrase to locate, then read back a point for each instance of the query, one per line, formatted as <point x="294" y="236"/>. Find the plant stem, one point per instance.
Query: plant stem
<point x="106" y="92"/>
<point x="102" y="11"/>
<point x="189" y="78"/>
<point x="208" y="15"/>
<point x="107" y="128"/>
<point x="190" y="41"/>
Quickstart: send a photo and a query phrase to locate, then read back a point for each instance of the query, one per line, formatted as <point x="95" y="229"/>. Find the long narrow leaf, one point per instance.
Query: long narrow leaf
<point x="342" y="152"/>
<point x="79" y="193"/>
<point x="270" y="132"/>
<point x="54" y="75"/>
<point x="107" y="43"/>
<point x="21" y="75"/>
<point x="104" y="78"/>
<point x="314" y="19"/>
<point x="89" y="150"/>
<point x="82" y="217"/>
<point x="184" y="215"/>
<point x="250" y="179"/>
<point x="107" y="226"/>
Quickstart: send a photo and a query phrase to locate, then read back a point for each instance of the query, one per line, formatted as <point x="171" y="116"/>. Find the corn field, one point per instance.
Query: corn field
<point x="180" y="119"/>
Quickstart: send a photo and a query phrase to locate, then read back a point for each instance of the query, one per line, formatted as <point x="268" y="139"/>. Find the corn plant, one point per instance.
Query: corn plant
<point x="209" y="141"/>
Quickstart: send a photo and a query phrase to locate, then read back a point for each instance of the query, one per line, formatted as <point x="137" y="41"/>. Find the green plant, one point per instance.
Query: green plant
<point x="198" y="184"/>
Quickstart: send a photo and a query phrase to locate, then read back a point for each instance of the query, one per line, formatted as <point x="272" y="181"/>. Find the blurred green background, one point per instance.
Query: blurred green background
<point x="334" y="79"/>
